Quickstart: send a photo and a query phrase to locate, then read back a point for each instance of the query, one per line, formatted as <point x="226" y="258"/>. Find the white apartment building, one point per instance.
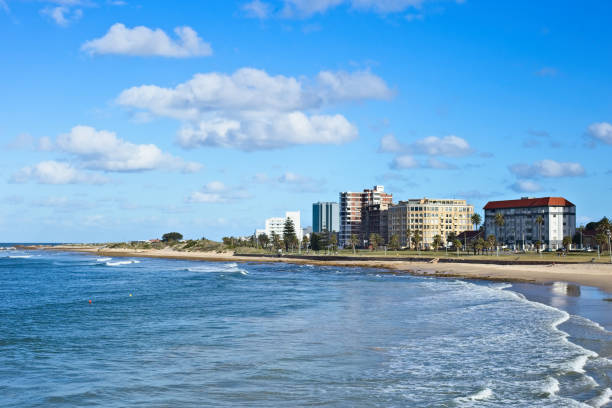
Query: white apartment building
<point x="277" y="225"/>
<point x="521" y="228"/>
<point x="430" y="216"/>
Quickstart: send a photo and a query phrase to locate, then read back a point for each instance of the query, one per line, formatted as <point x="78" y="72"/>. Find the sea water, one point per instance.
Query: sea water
<point x="161" y="333"/>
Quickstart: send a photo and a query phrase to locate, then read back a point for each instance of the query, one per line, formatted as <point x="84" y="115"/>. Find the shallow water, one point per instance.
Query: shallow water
<point x="179" y="333"/>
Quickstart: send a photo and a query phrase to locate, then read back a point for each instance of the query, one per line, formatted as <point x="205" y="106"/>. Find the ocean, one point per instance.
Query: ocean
<point x="171" y="333"/>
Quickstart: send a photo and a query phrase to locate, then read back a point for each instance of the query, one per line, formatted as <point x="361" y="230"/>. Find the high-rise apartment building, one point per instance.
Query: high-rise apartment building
<point x="431" y="217"/>
<point x="351" y="206"/>
<point x="325" y="217"/>
<point x="277" y="225"/>
<point x="374" y="220"/>
<point x="528" y="220"/>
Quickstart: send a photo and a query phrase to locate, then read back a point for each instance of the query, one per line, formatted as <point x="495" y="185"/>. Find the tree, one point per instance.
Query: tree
<point x="451" y="237"/>
<point x="480" y="244"/>
<point x="276" y="241"/>
<point x="539" y="220"/>
<point x="305" y="241"/>
<point x="289" y="237"/>
<point x="171" y="237"/>
<point x="499" y="222"/>
<point x="333" y="241"/>
<point x="437" y="242"/>
<point x="417" y="237"/>
<point x="264" y="240"/>
<point x="373" y="241"/>
<point x="476" y="220"/>
<point x="408" y="238"/>
<point x="538" y="245"/>
<point x="457" y="244"/>
<point x="567" y="241"/>
<point x="394" y="242"/>
<point x="354" y="241"/>
<point x="491" y="242"/>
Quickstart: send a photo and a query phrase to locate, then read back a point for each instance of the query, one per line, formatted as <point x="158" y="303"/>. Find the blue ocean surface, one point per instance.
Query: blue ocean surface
<point x="169" y="333"/>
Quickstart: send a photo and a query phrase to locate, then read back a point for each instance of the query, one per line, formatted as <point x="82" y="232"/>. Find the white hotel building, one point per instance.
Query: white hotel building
<point x="521" y="230"/>
<point x="277" y="225"/>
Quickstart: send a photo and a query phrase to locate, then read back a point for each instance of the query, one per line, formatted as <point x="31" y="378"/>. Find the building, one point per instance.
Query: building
<point x="351" y="206"/>
<point x="430" y="216"/>
<point x="325" y="217"/>
<point x="374" y="221"/>
<point x="521" y="229"/>
<point x="277" y="225"/>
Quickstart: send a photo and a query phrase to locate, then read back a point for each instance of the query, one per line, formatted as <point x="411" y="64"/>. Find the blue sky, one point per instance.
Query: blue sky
<point x="124" y="120"/>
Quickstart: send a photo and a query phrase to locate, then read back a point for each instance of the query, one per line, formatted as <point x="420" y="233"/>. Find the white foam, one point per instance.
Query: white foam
<point x="103" y="259"/>
<point x="20" y="256"/>
<point x="602" y="399"/>
<point x="218" y="268"/>
<point x="118" y="263"/>
<point x="478" y="396"/>
<point x="552" y="387"/>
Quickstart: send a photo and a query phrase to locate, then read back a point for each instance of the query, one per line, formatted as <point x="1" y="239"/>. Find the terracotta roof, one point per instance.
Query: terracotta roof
<point x="529" y="202"/>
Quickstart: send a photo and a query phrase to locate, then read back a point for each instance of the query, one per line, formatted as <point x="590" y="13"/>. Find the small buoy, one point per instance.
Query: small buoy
<point x="89" y="301"/>
<point x="130" y="295"/>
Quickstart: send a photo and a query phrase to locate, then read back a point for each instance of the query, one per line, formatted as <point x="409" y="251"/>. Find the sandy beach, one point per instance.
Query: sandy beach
<point x="597" y="275"/>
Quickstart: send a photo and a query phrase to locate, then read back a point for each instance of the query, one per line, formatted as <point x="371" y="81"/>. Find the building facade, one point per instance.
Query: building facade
<point x="351" y="205"/>
<point x="325" y="217"/>
<point x="374" y="220"/>
<point x="431" y="217"/>
<point x="277" y="225"/>
<point x="521" y="229"/>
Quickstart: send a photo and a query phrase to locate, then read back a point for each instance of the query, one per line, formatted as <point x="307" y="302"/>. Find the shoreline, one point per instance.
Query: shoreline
<point x="588" y="274"/>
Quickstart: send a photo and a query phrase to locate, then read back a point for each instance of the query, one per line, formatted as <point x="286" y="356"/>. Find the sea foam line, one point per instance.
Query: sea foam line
<point x="477" y="396"/>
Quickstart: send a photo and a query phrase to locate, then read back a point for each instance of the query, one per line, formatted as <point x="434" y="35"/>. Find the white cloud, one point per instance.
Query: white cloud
<point x="54" y="172"/>
<point x="217" y="192"/>
<point x="143" y="41"/>
<point x="405" y="162"/>
<point x="308" y="8"/>
<point x="103" y="150"/>
<point x="547" y="72"/>
<point x="449" y="146"/>
<point x="526" y="186"/>
<point x="4" y="6"/>
<point x="63" y="15"/>
<point x="390" y="144"/>
<point x="257" y="9"/>
<point x="251" y="109"/>
<point x="547" y="168"/>
<point x="601" y="131"/>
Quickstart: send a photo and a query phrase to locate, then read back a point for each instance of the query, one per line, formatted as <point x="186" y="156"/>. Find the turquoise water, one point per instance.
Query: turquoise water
<point x="164" y="333"/>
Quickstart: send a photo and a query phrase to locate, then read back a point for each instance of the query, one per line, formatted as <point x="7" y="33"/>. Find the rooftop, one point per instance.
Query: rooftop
<point x="529" y="202"/>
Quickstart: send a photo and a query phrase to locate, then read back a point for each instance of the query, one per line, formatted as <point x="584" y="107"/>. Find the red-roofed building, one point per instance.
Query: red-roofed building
<point x="521" y="228"/>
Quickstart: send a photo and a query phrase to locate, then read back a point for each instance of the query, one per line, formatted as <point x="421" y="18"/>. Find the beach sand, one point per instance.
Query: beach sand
<point x="597" y="275"/>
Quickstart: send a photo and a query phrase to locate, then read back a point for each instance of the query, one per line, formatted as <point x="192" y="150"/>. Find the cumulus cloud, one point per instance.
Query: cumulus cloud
<point x="547" y="168"/>
<point x="54" y="172"/>
<point x="143" y="41"/>
<point x="103" y="150"/>
<point x="257" y="9"/>
<point x="601" y="131"/>
<point x="447" y="146"/>
<point x="526" y="186"/>
<point x="252" y="110"/>
<point x="217" y="192"/>
<point x="405" y="162"/>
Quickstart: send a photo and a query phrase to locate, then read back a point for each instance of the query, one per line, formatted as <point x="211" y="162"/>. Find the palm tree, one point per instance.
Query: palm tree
<point x="394" y="242"/>
<point x="539" y="220"/>
<point x="354" y="241"/>
<point x="499" y="222"/>
<point x="457" y="244"/>
<point x="416" y="239"/>
<point x="491" y="242"/>
<point x="437" y="241"/>
<point x="476" y="220"/>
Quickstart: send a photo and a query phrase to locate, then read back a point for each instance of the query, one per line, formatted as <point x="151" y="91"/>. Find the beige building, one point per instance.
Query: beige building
<point x="430" y="216"/>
